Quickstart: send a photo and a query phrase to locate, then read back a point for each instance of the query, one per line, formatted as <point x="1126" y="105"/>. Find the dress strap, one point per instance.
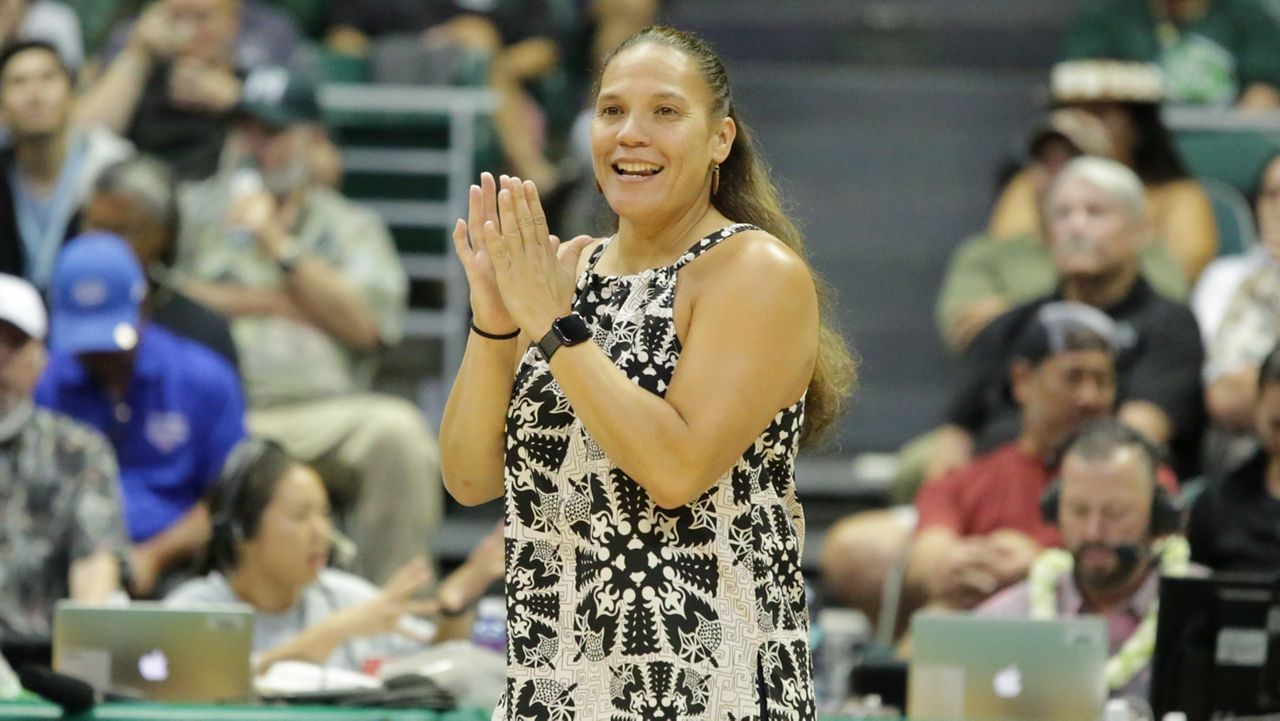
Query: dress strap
<point x="595" y="256"/>
<point x="711" y="241"/>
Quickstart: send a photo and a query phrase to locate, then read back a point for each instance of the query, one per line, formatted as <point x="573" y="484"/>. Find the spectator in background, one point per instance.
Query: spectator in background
<point x="171" y="407"/>
<point x="1126" y="97"/>
<point x="270" y="542"/>
<point x="612" y="21"/>
<point x="987" y="276"/>
<point x="47" y="171"/>
<point x="1237" y="303"/>
<point x="1096" y="228"/>
<point x="315" y="290"/>
<point x="1120" y="531"/>
<point x="137" y="199"/>
<point x="1234" y="521"/>
<point x="47" y="20"/>
<point x="60" y="528"/>
<point x="517" y="41"/>
<point x="1211" y="52"/>
<point x="264" y="33"/>
<point x="979" y="526"/>
<point x="173" y="86"/>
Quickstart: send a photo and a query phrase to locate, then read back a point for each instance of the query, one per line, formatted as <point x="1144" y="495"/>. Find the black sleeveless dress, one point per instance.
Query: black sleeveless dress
<point x="618" y="609"/>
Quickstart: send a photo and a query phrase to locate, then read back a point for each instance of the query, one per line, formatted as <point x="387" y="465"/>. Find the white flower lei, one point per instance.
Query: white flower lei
<point x="1050" y="565"/>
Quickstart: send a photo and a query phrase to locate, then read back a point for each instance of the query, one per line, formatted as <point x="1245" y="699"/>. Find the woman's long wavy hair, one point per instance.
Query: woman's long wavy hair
<point x="747" y="195"/>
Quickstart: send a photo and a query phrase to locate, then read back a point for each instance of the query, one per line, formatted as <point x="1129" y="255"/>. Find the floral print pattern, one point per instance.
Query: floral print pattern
<point x="619" y="609"/>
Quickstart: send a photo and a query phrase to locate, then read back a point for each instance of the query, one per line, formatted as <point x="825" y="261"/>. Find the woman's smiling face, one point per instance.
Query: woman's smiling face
<point x="656" y="133"/>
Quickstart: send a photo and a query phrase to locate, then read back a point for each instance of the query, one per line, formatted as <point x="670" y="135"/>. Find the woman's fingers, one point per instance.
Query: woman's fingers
<point x="569" y="253"/>
<point x="497" y="248"/>
<point x="475" y="210"/>
<point x="423" y="606"/>
<point x="409" y="578"/>
<point x="509" y="226"/>
<point x="531" y="207"/>
<point x="461" y="247"/>
<point x="524" y="218"/>
<point x="489" y="198"/>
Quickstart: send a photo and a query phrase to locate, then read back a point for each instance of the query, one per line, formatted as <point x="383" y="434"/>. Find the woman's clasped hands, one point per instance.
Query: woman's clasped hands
<point x="521" y="276"/>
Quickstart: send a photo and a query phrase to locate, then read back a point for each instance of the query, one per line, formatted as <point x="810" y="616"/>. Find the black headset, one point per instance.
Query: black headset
<point x="1166" y="509"/>
<point x="228" y="529"/>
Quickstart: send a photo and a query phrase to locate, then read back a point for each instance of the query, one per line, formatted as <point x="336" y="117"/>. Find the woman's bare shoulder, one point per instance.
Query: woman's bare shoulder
<point x="750" y="266"/>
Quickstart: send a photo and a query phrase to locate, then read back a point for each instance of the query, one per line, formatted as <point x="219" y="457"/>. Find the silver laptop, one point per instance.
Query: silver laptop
<point x="157" y="653"/>
<point x="979" y="668"/>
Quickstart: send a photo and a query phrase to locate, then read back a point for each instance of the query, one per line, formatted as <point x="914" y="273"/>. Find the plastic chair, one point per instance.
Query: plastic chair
<point x="1232" y="216"/>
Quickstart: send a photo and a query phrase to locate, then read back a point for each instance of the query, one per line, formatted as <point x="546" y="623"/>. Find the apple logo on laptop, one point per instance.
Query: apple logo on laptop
<point x="154" y="666"/>
<point x="1008" y="682"/>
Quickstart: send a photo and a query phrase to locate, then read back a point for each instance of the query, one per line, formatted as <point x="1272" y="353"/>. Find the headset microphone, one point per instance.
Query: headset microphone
<point x="1128" y="555"/>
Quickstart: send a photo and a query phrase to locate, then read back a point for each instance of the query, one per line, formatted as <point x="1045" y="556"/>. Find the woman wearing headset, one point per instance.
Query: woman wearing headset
<point x="270" y="544"/>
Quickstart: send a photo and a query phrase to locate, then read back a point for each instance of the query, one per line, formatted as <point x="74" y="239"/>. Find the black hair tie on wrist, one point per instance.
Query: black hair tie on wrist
<point x="494" y="336"/>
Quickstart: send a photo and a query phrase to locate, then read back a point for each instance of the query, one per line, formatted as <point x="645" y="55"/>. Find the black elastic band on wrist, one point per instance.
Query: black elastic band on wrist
<point x="495" y="336"/>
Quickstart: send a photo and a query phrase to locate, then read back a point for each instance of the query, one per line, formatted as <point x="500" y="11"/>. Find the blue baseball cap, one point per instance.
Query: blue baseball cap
<point x="97" y="293"/>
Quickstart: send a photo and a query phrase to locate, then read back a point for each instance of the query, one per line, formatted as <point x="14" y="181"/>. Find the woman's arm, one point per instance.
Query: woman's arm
<point x="1185" y="223"/>
<point x="1015" y="212"/>
<point x="748" y="352"/>
<point x="472" y="432"/>
<point x="378" y="615"/>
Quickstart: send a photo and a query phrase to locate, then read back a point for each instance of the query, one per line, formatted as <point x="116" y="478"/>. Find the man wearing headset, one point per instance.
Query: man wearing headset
<point x="1121" y="530"/>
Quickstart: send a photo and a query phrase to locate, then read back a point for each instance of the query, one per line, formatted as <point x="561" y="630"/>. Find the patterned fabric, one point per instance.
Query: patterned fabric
<point x="284" y="360"/>
<point x="1250" y="327"/>
<point x="59" y="503"/>
<point x="618" y="609"/>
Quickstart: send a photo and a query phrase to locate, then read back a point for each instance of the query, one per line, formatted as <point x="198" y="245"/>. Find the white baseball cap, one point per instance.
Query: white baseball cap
<point x="20" y="305"/>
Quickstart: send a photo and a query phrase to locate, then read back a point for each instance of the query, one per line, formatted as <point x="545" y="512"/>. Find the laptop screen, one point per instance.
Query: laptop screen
<point x="996" y="669"/>
<point x="157" y="653"/>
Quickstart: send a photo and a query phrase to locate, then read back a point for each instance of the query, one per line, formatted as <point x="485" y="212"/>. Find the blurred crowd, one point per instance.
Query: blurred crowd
<point x="1115" y="418"/>
<point x="183" y="282"/>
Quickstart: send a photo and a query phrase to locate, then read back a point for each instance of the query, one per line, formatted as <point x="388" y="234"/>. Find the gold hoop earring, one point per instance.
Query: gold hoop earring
<point x="715" y="178"/>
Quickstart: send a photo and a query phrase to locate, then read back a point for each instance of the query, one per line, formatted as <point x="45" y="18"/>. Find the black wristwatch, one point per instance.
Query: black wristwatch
<point x="565" y="330"/>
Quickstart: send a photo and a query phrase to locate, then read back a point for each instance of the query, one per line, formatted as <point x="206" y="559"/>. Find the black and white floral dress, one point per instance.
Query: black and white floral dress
<point x="618" y="609"/>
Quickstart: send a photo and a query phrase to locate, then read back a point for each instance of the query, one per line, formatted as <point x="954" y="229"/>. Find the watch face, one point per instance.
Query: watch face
<point x="571" y="329"/>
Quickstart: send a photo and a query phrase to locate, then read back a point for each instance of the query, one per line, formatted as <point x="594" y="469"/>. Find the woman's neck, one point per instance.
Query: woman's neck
<point x="262" y="590"/>
<point x="644" y="245"/>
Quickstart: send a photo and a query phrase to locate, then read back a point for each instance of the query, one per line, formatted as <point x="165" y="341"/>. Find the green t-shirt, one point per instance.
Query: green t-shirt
<point x="1020" y="269"/>
<point x="1209" y="61"/>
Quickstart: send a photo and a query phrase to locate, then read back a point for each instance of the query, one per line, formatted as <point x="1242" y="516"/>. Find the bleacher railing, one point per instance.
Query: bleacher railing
<point x="408" y="139"/>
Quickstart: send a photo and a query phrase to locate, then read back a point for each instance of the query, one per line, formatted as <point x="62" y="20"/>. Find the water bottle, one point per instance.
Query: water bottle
<point x="843" y="631"/>
<point x="490" y="628"/>
<point x="814" y="603"/>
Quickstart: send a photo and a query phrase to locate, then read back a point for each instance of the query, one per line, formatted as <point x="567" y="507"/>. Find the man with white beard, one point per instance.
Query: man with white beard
<point x="314" y="290"/>
<point x="61" y="533"/>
